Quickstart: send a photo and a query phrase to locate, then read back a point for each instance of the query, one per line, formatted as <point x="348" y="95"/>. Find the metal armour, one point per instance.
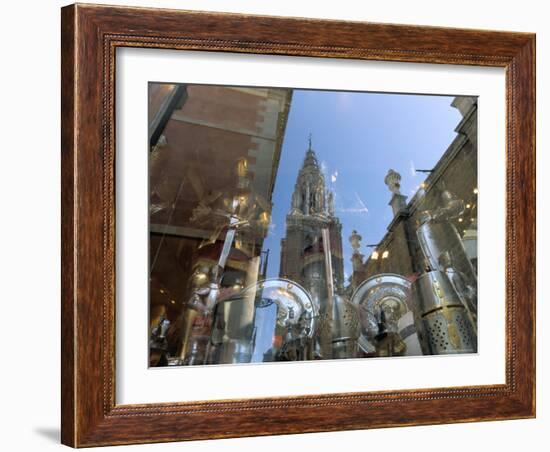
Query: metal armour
<point x="446" y="326"/>
<point x="272" y="320"/>
<point x="386" y="291"/>
<point x="443" y="249"/>
<point x="345" y="328"/>
<point x="436" y="239"/>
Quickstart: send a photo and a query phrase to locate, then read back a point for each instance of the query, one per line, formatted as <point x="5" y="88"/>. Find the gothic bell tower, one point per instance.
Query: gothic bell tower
<point x="312" y="247"/>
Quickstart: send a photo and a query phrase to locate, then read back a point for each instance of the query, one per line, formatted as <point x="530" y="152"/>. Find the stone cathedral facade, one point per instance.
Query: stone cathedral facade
<point x="312" y="229"/>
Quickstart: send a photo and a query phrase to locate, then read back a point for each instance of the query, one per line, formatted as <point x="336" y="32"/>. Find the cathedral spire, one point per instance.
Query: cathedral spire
<point x="310" y="195"/>
<point x="311" y="252"/>
<point x="310" y="164"/>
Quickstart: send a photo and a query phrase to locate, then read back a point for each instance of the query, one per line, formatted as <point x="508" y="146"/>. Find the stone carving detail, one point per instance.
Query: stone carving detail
<point x="393" y="181"/>
<point x="355" y="240"/>
<point x="330" y="202"/>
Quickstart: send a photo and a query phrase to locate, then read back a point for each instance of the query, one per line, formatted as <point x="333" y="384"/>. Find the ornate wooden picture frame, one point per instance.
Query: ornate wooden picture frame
<point x="90" y="37"/>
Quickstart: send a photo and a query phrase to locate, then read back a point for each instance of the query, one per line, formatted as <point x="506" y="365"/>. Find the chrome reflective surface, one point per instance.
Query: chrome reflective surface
<point x="273" y="320"/>
<point x="443" y="319"/>
<point x="385" y="292"/>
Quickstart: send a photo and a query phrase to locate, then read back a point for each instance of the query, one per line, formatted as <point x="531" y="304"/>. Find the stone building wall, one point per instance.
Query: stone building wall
<point x="203" y="140"/>
<point x="456" y="171"/>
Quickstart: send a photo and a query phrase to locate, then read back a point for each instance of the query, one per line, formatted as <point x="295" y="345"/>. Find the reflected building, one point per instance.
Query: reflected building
<point x="432" y="242"/>
<point x="211" y="147"/>
<point x="303" y="248"/>
<point x="399" y="250"/>
<point x="214" y="157"/>
<point x="311" y="252"/>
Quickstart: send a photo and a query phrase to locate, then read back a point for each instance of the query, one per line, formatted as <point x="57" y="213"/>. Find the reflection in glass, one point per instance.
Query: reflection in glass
<point x="266" y="247"/>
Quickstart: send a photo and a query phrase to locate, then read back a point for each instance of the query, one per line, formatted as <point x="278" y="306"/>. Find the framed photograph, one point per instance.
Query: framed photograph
<point x="282" y="225"/>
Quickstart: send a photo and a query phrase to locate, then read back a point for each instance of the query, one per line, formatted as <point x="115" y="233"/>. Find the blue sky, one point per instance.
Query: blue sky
<point x="357" y="137"/>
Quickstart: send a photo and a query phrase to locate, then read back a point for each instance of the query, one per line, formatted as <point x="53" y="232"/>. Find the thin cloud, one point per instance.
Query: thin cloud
<point x="412" y="169"/>
<point x="359" y="207"/>
<point x="324" y="167"/>
<point x="353" y="210"/>
<point x="361" y="203"/>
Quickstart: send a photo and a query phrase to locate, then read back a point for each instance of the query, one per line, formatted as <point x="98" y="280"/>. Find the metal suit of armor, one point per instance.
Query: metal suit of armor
<point x="338" y="328"/>
<point x="345" y="328"/>
<point x="158" y="344"/>
<point x="240" y="210"/>
<point x="446" y="295"/>
<point x="446" y="326"/>
<point x="273" y="320"/>
<point x="443" y="250"/>
<point x="197" y="317"/>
